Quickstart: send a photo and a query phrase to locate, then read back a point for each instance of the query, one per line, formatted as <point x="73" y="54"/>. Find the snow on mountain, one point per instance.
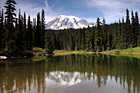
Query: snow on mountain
<point x="66" y="22"/>
<point x="67" y="78"/>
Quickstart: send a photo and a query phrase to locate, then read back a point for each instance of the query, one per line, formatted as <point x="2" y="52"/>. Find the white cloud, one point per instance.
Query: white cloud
<point x="114" y="9"/>
<point x="32" y="8"/>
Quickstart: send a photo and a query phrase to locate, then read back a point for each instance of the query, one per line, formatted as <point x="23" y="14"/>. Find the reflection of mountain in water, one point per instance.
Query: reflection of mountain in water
<point x="67" y="78"/>
<point x="85" y="72"/>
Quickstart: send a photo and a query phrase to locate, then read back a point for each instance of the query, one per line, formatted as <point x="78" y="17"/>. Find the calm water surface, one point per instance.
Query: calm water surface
<point x="71" y="74"/>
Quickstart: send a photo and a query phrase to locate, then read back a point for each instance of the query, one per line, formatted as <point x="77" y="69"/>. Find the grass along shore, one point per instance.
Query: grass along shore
<point x="128" y="51"/>
<point x="68" y="52"/>
<point x="131" y="52"/>
<point x="135" y="51"/>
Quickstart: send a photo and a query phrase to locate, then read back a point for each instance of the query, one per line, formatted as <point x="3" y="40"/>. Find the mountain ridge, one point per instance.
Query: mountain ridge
<point x="67" y="22"/>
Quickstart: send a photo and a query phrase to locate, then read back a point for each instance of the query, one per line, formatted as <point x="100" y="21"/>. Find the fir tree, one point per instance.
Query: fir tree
<point x="128" y="32"/>
<point x="119" y="35"/>
<point x="24" y="32"/>
<point x="1" y="30"/>
<point x="38" y="32"/>
<point x="88" y="36"/>
<point x="19" y="33"/>
<point x="10" y="16"/>
<point x="137" y="29"/>
<point x="34" y="32"/>
<point x="29" y="35"/>
<point x="42" y="29"/>
<point x="134" y="35"/>
<point x="98" y="37"/>
<point x="104" y="43"/>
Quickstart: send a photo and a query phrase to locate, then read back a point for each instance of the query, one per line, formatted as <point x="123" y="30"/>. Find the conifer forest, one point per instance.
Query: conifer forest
<point x="20" y="33"/>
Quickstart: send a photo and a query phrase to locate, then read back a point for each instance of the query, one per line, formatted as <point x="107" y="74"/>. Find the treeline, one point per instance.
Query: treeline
<point x="121" y="35"/>
<point x="18" y="33"/>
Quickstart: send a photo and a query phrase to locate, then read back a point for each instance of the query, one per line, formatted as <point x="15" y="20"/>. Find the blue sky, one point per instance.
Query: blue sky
<point x="111" y="10"/>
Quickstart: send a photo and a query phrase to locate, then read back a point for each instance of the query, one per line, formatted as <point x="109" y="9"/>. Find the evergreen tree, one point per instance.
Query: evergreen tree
<point x="137" y="29"/>
<point x="104" y="38"/>
<point x="29" y="35"/>
<point x="119" y="35"/>
<point x="134" y="35"/>
<point x="98" y="37"/>
<point x="42" y="29"/>
<point x="24" y="32"/>
<point x="123" y="35"/>
<point x="88" y="37"/>
<point x="10" y="16"/>
<point x="19" y="34"/>
<point x="49" y="46"/>
<point x="34" y="32"/>
<point x="128" y="32"/>
<point x="38" y="32"/>
<point x="1" y="30"/>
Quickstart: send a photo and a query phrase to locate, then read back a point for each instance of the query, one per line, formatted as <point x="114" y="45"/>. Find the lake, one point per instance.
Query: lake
<point x="70" y="74"/>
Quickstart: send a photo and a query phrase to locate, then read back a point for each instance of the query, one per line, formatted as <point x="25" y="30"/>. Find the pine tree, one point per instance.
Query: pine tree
<point x="1" y="30"/>
<point x="24" y="32"/>
<point x="34" y="32"/>
<point x="123" y="35"/>
<point x="88" y="36"/>
<point x="128" y="31"/>
<point x="134" y="35"/>
<point x="19" y="34"/>
<point x="29" y="35"/>
<point x="98" y="37"/>
<point x="42" y="29"/>
<point x="10" y="19"/>
<point x="119" y="35"/>
<point x="137" y="29"/>
<point x="104" y="36"/>
<point x="38" y="32"/>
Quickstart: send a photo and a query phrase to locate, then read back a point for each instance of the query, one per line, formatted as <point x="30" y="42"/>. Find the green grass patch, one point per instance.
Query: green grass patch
<point x="129" y="50"/>
<point x="67" y="52"/>
<point x="37" y="51"/>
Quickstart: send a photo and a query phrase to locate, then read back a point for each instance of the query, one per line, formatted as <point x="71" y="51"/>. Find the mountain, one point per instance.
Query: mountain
<point x="66" y="78"/>
<point x="66" y="22"/>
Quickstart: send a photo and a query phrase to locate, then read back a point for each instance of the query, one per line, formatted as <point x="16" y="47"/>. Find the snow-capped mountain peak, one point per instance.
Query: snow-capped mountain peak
<point x="66" y="22"/>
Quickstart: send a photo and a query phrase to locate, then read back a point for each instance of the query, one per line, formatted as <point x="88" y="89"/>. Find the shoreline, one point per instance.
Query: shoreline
<point x="65" y="52"/>
<point x="62" y="52"/>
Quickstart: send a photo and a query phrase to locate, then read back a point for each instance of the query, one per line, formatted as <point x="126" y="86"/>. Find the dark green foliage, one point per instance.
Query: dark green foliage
<point x="19" y="33"/>
<point x="42" y="33"/>
<point x="24" y="33"/>
<point x="49" y="47"/>
<point x="1" y="30"/>
<point x="88" y="37"/>
<point x="137" y="29"/>
<point x="70" y="39"/>
<point x="10" y="12"/>
<point x="134" y="41"/>
<point x="10" y="30"/>
<point x="104" y="31"/>
<point x="37" y="33"/>
<point x="119" y="35"/>
<point x="98" y="37"/>
<point x="29" y="35"/>
<point x="128" y="32"/>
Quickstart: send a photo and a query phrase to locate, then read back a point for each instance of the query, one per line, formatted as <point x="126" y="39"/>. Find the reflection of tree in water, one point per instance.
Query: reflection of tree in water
<point x="25" y="78"/>
<point x="125" y="70"/>
<point x="28" y="76"/>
